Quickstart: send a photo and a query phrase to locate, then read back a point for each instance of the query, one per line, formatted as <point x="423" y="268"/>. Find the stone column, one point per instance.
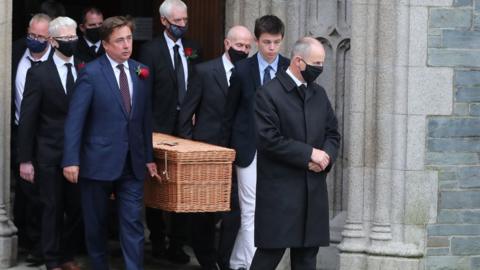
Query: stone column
<point x="8" y="238"/>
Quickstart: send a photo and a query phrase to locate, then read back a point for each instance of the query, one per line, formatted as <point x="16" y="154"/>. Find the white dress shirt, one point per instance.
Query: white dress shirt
<point x="228" y="66"/>
<point x="297" y="81"/>
<point x="90" y="44"/>
<point x="116" y="71"/>
<point x="63" y="70"/>
<point x="171" y="44"/>
<point x="22" y="69"/>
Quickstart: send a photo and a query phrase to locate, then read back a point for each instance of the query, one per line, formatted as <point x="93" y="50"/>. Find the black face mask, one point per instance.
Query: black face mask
<point x="177" y="31"/>
<point x="236" y="55"/>
<point x="93" y="34"/>
<point x="67" y="48"/>
<point x="311" y="72"/>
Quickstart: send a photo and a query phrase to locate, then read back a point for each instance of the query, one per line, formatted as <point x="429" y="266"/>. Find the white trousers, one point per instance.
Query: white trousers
<point x="244" y="248"/>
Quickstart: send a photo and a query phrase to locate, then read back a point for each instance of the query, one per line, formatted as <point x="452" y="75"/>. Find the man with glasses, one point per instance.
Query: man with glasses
<point x="27" y="52"/>
<point x="297" y="142"/>
<point x="170" y="57"/>
<point x="89" y="45"/>
<point x="239" y="125"/>
<point x="40" y="135"/>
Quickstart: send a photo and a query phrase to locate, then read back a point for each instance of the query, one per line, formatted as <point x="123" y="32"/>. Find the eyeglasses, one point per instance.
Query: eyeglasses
<point x="37" y="37"/>
<point x="67" y="38"/>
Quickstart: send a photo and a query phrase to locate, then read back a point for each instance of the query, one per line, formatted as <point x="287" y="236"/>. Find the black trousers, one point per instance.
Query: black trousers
<point x="27" y="208"/>
<point x="62" y="226"/>
<point x="300" y="258"/>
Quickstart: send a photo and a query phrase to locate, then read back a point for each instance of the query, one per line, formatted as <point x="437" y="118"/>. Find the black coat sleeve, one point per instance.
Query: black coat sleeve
<point x="29" y="116"/>
<point x="231" y="105"/>
<point x="270" y="139"/>
<point x="332" y="136"/>
<point x="190" y="105"/>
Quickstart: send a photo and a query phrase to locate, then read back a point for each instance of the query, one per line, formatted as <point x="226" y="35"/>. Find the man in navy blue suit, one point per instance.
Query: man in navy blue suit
<point x="108" y="144"/>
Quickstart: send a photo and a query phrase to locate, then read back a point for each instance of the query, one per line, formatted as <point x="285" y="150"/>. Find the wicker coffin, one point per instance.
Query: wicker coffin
<point x="197" y="177"/>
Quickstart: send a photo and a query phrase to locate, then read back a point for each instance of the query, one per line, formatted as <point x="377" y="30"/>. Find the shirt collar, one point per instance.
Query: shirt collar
<point x="44" y="56"/>
<point x="170" y="42"/>
<point x="227" y="64"/>
<point x="60" y="62"/>
<point x="90" y="44"/>
<point x="115" y="63"/>
<point x="262" y="63"/>
<point x="297" y="81"/>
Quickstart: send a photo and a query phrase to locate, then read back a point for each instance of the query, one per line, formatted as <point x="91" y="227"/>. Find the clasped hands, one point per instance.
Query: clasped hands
<point x="318" y="161"/>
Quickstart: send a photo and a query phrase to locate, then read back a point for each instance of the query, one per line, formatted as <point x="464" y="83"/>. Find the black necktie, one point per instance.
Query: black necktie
<point x="33" y="63"/>
<point x="70" y="80"/>
<point x="179" y="74"/>
<point x="302" y="89"/>
<point x="93" y="50"/>
<point x="124" y="89"/>
<point x="266" y="75"/>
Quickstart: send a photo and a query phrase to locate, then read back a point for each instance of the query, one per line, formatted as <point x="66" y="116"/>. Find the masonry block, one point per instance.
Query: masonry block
<point x="453" y="229"/>
<point x="468" y="95"/>
<point x="456" y="144"/>
<point x="451" y="158"/>
<point x="447" y="263"/>
<point x="438" y="242"/>
<point x="453" y="127"/>
<point x="461" y="39"/>
<point x="467" y="78"/>
<point x="450" y="217"/>
<point x="469" y="177"/>
<point x="460" y="200"/>
<point x="453" y="58"/>
<point x="475" y="109"/>
<point x="450" y="18"/>
<point x="462" y="3"/>
<point x="465" y="245"/>
<point x="438" y="251"/>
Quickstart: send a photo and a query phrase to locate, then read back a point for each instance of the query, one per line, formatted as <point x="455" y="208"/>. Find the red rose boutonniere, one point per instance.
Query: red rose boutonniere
<point x="142" y="72"/>
<point x="190" y="53"/>
<point x="80" y="65"/>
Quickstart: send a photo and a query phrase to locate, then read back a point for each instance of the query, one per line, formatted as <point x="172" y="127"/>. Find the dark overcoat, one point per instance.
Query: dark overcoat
<point x="291" y="201"/>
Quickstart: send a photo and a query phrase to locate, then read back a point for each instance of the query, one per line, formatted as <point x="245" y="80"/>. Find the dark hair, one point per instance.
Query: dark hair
<point x="115" y="22"/>
<point x="52" y="8"/>
<point x="269" y="24"/>
<point x="91" y="9"/>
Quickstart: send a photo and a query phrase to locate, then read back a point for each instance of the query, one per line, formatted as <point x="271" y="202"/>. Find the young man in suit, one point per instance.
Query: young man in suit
<point x="89" y="44"/>
<point x="297" y="144"/>
<point x="205" y="101"/>
<point x="27" y="52"/>
<point x="240" y="129"/>
<point x="171" y="58"/>
<point x="40" y="133"/>
<point x="108" y="144"/>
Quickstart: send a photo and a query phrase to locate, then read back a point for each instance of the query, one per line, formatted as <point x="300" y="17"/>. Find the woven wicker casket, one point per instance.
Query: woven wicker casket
<point x="196" y="177"/>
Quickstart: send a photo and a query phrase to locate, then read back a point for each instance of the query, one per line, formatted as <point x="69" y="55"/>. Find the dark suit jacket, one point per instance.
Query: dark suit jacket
<point x="292" y="202"/>
<point x="43" y="112"/>
<point x="83" y="52"/>
<point x="239" y="129"/>
<point x="99" y="133"/>
<point x="205" y="99"/>
<point x="156" y="56"/>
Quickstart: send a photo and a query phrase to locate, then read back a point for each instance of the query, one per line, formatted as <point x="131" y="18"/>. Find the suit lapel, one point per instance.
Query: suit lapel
<point x="220" y="76"/>
<point x="166" y="55"/>
<point x="112" y="82"/>
<point x="58" y="81"/>
<point x="255" y="71"/>
<point x="135" y="90"/>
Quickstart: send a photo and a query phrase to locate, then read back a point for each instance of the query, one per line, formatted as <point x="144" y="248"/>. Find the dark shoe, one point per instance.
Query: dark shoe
<point x="34" y="260"/>
<point x="177" y="255"/>
<point x="159" y="252"/>
<point x="70" y="266"/>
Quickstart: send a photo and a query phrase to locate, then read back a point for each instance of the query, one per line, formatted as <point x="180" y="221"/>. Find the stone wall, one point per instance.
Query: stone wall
<point x="453" y="141"/>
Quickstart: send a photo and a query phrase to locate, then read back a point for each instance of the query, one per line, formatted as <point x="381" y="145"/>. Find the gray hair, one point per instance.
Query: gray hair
<point x="60" y="22"/>
<point x="303" y="46"/>
<point x="39" y="17"/>
<point x="166" y="7"/>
